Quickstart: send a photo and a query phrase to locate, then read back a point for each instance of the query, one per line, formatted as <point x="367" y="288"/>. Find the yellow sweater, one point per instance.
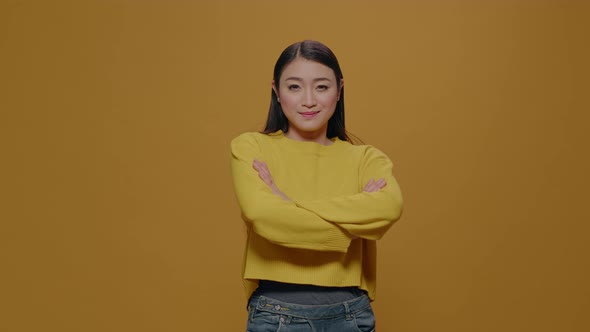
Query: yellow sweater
<point x="326" y="235"/>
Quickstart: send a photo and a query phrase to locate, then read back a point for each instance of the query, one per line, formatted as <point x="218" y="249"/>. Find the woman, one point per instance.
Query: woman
<point x="313" y="202"/>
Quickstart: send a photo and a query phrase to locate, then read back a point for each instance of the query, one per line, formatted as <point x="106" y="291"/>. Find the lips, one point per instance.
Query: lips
<point x="308" y="115"/>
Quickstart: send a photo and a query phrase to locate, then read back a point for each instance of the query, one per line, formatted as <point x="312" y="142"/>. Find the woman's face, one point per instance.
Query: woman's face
<point x="308" y="93"/>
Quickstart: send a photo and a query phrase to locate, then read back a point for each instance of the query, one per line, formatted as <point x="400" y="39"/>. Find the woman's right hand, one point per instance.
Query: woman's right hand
<point x="264" y="174"/>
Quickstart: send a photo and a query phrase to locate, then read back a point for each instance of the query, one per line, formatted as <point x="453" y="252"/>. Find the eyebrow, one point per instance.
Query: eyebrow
<point x="301" y="80"/>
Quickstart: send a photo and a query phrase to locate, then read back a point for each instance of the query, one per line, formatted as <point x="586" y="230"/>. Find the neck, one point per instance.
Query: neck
<point x="318" y="136"/>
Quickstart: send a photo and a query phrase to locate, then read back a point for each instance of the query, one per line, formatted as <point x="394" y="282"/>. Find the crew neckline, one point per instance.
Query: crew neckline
<point x="280" y="134"/>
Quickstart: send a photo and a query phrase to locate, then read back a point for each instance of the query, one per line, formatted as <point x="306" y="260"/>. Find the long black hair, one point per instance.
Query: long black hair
<point x="314" y="51"/>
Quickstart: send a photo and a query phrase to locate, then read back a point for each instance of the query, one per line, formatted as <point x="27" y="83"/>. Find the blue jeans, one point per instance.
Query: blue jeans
<point x="269" y="315"/>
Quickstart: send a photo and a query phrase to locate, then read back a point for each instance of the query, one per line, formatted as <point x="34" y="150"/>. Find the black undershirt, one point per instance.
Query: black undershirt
<point x="306" y="294"/>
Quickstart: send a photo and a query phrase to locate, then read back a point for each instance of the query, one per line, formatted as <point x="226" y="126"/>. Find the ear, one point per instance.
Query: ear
<point x="341" y="86"/>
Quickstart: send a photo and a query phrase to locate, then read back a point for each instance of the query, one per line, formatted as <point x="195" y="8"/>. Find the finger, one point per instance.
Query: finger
<point x="264" y="174"/>
<point x="368" y="185"/>
<point x="264" y="166"/>
<point x="261" y="168"/>
<point x="267" y="180"/>
<point x="381" y="183"/>
<point x="264" y="171"/>
<point x="257" y="165"/>
<point x="374" y="186"/>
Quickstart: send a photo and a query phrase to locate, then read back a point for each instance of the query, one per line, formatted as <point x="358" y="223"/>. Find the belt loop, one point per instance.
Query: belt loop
<point x="253" y="307"/>
<point x="347" y="309"/>
<point x="251" y="310"/>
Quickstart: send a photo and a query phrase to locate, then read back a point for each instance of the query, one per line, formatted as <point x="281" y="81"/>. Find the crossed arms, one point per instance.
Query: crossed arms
<point x="326" y="224"/>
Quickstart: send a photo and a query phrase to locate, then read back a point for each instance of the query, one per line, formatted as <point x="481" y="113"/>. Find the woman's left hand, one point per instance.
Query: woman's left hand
<point x="373" y="186"/>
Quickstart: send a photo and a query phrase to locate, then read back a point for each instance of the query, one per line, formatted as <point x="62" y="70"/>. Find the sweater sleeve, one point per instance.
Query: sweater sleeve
<point x="366" y="215"/>
<point x="279" y="221"/>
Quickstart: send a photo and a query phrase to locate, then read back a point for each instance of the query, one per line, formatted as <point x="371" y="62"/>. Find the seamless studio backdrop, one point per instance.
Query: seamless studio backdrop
<point x="117" y="210"/>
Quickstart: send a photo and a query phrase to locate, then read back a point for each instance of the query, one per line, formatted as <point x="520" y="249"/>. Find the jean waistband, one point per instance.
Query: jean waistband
<point x="346" y="308"/>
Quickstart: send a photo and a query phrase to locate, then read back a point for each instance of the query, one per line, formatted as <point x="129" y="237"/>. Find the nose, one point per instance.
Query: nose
<point x="309" y="99"/>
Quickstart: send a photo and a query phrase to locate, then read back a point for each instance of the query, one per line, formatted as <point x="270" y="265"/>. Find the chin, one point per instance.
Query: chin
<point x="308" y="127"/>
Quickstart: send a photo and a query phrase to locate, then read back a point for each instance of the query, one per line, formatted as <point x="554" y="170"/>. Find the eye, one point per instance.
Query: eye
<point x="322" y="87"/>
<point x="293" y="87"/>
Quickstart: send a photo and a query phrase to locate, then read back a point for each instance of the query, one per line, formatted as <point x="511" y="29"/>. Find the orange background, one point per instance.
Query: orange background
<point x="117" y="205"/>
